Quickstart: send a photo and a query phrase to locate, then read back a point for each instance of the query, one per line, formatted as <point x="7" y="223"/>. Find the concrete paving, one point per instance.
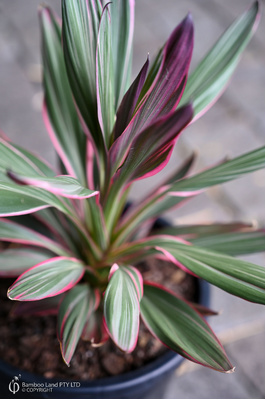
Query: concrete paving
<point x="233" y="126"/>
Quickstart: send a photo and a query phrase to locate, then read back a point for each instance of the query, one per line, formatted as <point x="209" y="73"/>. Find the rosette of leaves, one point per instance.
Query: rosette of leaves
<point x="80" y="247"/>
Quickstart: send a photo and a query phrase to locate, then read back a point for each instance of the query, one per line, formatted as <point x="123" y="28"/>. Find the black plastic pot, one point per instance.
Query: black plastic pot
<point x="149" y="380"/>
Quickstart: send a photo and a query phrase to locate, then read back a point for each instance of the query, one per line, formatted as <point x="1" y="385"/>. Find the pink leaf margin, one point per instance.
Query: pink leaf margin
<point x="139" y="293"/>
<point x="23" y="180"/>
<point x="55" y="141"/>
<point x="199" y="314"/>
<point x="67" y="287"/>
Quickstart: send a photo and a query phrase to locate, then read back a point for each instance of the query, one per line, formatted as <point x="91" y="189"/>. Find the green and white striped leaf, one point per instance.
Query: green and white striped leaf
<point x="63" y="185"/>
<point x="222" y="173"/>
<point x="172" y="194"/>
<point x="201" y="230"/>
<point x="19" y="199"/>
<point x="210" y="78"/>
<point x="122" y="20"/>
<point x="232" y="239"/>
<point x="181" y="328"/>
<point x="65" y="130"/>
<point x="235" y="276"/>
<point x="13" y="232"/>
<point x="105" y="76"/>
<point x="238" y="277"/>
<point x="74" y="312"/>
<point x="47" y="279"/>
<point x="21" y="161"/>
<point x="233" y="243"/>
<point x="13" y="262"/>
<point x="51" y="218"/>
<point x="121" y="306"/>
<point x="79" y="34"/>
<point x="40" y="164"/>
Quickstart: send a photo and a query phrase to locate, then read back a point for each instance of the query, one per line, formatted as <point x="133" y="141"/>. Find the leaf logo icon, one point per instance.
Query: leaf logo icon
<point x="14" y="385"/>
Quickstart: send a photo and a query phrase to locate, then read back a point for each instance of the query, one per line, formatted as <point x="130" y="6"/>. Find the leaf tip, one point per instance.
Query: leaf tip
<point x="230" y="371"/>
<point x="62" y="353"/>
<point x="113" y="269"/>
<point x="8" y="293"/>
<point x="189" y="18"/>
<point x="254" y="224"/>
<point x="43" y="9"/>
<point x="94" y="344"/>
<point x="14" y="177"/>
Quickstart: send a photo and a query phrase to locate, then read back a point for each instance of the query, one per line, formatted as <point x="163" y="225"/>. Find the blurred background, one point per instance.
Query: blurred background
<point x="233" y="126"/>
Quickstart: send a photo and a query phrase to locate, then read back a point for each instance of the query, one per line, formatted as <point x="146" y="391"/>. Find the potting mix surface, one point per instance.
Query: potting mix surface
<point x="30" y="343"/>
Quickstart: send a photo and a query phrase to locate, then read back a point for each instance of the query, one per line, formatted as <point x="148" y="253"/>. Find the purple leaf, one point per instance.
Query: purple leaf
<point x="151" y="149"/>
<point x="129" y="102"/>
<point x="165" y="92"/>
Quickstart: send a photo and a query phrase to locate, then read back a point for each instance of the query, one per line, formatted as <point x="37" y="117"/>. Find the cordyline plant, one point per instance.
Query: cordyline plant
<point x="108" y="134"/>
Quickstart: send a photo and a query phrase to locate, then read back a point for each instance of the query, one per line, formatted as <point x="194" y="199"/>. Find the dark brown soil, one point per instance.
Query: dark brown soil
<point x="30" y="343"/>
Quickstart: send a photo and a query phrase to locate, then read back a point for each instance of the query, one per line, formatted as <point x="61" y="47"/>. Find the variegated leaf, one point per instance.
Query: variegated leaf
<point x="122" y="20"/>
<point x="19" y="199"/>
<point x="13" y="232"/>
<point x="233" y="239"/>
<point x="121" y="306"/>
<point x="15" y="261"/>
<point x="47" y="279"/>
<point x="201" y="230"/>
<point x="105" y="77"/>
<point x="174" y="193"/>
<point x="60" y="114"/>
<point x="40" y="164"/>
<point x="234" y="244"/>
<point x="79" y="34"/>
<point x="219" y="174"/>
<point x="21" y="161"/>
<point x="210" y="78"/>
<point x="180" y="327"/>
<point x="63" y="185"/>
<point x="235" y="276"/>
<point x="74" y="312"/>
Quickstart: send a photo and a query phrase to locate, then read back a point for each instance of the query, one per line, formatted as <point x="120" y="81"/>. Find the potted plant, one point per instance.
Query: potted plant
<point x="84" y="243"/>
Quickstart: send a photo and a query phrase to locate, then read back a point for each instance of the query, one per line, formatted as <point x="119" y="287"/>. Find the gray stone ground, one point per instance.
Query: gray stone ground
<point x="234" y="125"/>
